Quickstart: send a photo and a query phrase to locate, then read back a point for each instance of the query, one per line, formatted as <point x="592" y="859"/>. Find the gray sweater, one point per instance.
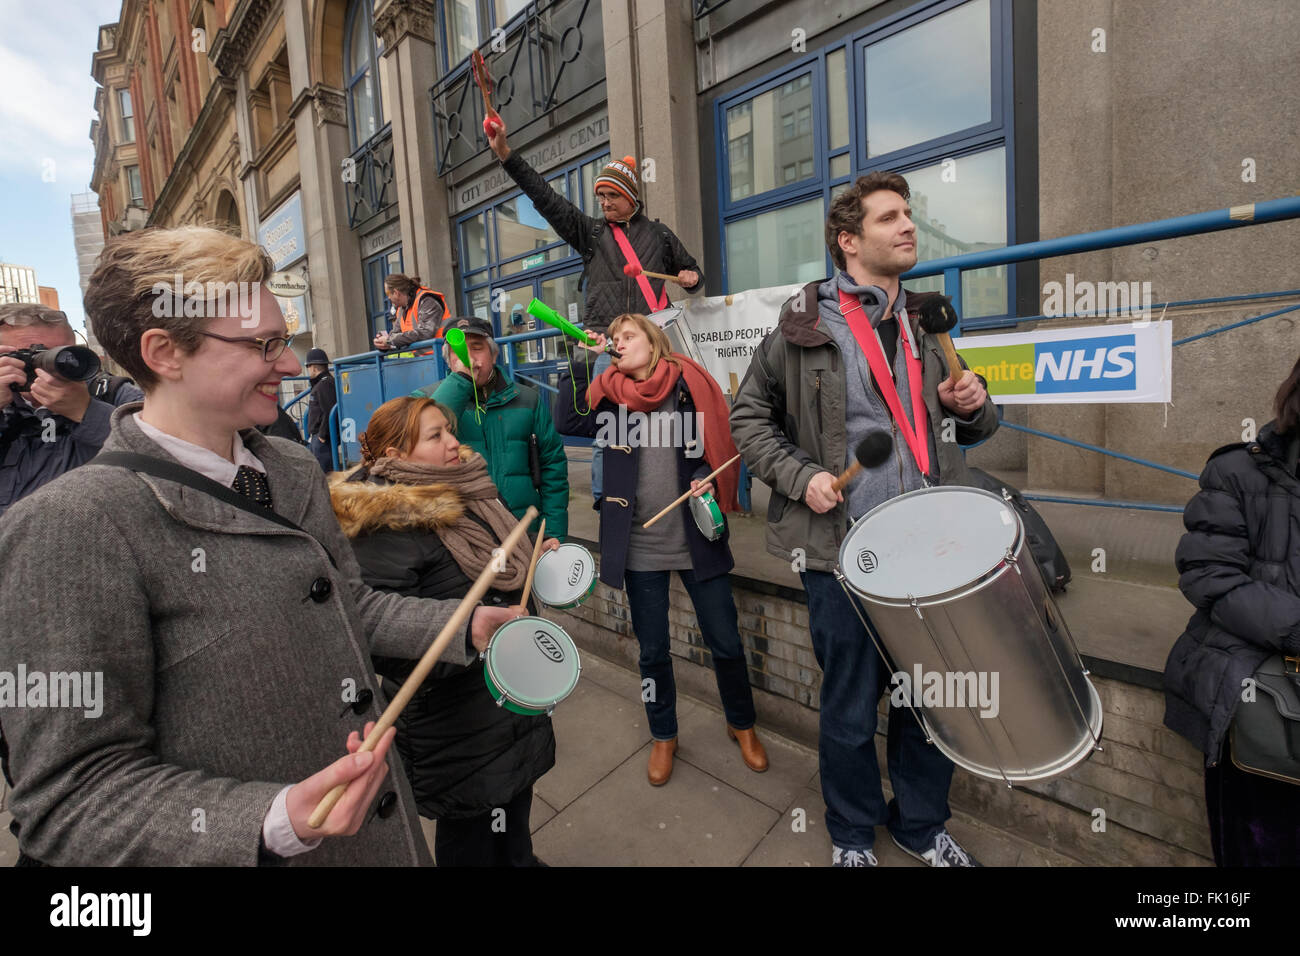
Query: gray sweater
<point x="662" y="546"/>
<point x="864" y="410"/>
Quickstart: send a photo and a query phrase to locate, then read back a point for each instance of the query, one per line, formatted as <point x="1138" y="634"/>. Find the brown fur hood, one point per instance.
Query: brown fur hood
<point x="364" y="507"/>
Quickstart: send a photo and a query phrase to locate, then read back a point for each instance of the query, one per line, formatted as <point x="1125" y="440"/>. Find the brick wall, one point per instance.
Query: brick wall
<point x="1147" y="779"/>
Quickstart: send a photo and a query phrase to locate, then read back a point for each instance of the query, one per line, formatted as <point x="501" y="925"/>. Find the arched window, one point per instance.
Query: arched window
<point x="361" y="67"/>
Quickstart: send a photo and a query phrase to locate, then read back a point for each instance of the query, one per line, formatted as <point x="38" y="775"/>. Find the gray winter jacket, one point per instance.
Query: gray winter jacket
<point x="229" y="649"/>
<point x="788" y="420"/>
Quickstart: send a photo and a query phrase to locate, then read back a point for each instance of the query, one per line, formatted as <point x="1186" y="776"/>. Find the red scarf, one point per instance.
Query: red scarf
<point x="648" y="395"/>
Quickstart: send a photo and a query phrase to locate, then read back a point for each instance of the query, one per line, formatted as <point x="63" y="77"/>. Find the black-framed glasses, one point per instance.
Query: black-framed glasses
<point x="271" y="348"/>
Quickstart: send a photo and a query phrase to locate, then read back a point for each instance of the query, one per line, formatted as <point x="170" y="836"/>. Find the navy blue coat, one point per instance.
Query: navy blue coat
<point x="1239" y="564"/>
<point x="708" y="558"/>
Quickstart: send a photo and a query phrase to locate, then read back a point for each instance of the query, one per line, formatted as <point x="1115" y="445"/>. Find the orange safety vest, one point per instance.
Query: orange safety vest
<point x="407" y="321"/>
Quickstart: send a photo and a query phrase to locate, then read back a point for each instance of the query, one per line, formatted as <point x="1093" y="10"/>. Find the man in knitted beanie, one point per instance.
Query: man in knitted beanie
<point x="622" y="236"/>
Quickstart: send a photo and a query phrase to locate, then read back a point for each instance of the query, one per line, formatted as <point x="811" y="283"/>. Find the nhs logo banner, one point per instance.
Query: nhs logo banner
<point x="1109" y="363"/>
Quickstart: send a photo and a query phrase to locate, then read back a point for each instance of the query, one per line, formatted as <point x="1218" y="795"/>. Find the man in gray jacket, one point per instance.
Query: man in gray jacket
<point x="807" y="400"/>
<point x="55" y="426"/>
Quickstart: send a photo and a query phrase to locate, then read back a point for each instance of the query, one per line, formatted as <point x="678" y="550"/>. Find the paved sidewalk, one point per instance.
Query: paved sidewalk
<point x="596" y="808"/>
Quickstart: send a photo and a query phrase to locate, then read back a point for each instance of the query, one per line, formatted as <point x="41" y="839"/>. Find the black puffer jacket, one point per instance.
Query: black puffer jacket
<point x="1240" y="565"/>
<point x="609" y="292"/>
<point x="463" y="754"/>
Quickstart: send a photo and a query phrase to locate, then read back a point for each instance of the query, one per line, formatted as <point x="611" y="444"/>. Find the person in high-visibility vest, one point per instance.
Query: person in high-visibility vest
<point x="420" y="312"/>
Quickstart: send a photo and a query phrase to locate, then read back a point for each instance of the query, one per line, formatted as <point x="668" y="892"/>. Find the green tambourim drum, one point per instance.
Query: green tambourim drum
<point x="530" y="665"/>
<point x="565" y="577"/>
<point x="707" y="515"/>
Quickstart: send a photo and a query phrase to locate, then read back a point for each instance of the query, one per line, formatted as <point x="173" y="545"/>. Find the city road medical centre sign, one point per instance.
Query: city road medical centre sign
<point x="1096" y="364"/>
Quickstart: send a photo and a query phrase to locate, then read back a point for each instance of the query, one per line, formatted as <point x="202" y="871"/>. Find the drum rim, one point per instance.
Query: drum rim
<point x="707" y="500"/>
<point x="494" y="680"/>
<point x="961" y="590"/>
<point x="591" y="561"/>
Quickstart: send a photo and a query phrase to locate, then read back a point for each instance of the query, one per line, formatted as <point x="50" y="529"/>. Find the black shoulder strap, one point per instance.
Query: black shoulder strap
<point x="187" y="476"/>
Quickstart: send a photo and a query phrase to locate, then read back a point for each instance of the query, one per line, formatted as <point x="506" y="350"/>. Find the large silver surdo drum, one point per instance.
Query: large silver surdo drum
<point x="991" y="669"/>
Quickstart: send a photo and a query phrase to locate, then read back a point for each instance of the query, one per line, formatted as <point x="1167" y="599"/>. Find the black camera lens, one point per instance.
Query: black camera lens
<point x="75" y="363"/>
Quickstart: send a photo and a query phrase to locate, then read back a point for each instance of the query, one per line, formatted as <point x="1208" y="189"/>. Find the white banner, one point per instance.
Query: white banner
<point x="727" y="329"/>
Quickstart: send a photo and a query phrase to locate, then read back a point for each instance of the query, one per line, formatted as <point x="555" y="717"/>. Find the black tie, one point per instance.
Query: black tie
<point x="251" y="482"/>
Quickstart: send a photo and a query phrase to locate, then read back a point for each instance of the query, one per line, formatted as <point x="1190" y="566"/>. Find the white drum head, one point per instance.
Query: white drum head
<point x="928" y="543"/>
<point x="565" y="576"/>
<point x="533" y="662"/>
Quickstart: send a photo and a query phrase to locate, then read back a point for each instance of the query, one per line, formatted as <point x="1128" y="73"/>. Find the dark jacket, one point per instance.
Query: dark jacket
<point x="463" y="754"/>
<point x="283" y="427"/>
<point x="514" y="432"/>
<point x="27" y="461"/>
<point x="788" y="422"/>
<point x="319" y="406"/>
<point x="708" y="558"/>
<point x="609" y="292"/>
<point x="1239" y="564"/>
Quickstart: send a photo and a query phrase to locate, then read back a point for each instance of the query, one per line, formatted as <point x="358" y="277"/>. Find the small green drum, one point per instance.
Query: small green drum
<point x="707" y="515"/>
<point x="530" y="665"/>
<point x="565" y="577"/>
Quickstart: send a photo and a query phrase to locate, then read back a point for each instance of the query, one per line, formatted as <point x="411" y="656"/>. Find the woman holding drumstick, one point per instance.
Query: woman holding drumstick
<point x="641" y="478"/>
<point x="424" y="519"/>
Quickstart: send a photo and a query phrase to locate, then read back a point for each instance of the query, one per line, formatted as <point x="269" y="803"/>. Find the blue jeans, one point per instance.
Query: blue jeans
<point x="603" y="361"/>
<point x="853" y="679"/>
<point x="715" y="611"/>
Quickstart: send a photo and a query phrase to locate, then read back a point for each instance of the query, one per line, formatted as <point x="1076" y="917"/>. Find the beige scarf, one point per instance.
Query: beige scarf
<point x="470" y="544"/>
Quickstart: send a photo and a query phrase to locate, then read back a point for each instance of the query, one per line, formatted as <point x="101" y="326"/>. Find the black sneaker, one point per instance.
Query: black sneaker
<point x="942" y="851"/>
<point x="842" y="857"/>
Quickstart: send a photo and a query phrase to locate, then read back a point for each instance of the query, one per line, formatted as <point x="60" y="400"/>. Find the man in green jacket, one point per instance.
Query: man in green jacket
<point x="510" y="426"/>
<point x="809" y="397"/>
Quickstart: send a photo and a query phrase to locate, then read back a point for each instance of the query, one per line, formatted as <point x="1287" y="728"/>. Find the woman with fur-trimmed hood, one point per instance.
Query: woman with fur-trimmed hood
<point x="424" y="519"/>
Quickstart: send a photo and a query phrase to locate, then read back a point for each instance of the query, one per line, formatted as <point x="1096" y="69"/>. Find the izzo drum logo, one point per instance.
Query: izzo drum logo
<point x="575" y="573"/>
<point x="867" y="561"/>
<point x="548" y="646"/>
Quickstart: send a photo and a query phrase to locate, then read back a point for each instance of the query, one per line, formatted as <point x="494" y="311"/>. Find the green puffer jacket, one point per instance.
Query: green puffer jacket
<point x="501" y="431"/>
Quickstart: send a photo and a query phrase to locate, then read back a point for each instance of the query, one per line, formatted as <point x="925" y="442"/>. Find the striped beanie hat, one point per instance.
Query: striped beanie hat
<point x="620" y="175"/>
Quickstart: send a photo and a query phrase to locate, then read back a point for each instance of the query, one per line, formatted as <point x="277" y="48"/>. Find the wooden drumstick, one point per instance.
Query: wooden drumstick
<point x="871" y="451"/>
<point x="937" y="318"/>
<point x="451" y="630"/>
<point x="484" y="81"/>
<point x="632" y="272"/>
<point x="707" y="478"/>
<point x="532" y="565"/>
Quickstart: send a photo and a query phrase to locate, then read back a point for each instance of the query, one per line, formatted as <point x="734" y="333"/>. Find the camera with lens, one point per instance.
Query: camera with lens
<point x="72" y="363"/>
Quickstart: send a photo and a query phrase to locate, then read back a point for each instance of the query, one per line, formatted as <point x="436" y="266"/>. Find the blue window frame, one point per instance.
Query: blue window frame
<point x="376" y="269"/>
<point x="926" y="93"/>
<point x="508" y="255"/>
<point x="361" y="69"/>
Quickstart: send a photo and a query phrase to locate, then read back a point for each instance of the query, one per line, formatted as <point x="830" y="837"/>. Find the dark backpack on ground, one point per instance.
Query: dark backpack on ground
<point x="1047" y="553"/>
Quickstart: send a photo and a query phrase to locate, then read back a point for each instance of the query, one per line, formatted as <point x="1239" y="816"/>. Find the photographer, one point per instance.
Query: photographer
<point x="33" y="452"/>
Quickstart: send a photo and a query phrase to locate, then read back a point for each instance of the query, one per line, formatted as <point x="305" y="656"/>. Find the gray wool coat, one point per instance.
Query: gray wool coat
<point x="223" y="680"/>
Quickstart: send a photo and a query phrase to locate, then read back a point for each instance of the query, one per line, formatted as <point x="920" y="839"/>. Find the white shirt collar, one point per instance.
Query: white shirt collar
<point x="195" y="457"/>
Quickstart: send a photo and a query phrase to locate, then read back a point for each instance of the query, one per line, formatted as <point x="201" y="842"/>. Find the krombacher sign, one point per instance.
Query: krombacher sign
<point x="556" y="150"/>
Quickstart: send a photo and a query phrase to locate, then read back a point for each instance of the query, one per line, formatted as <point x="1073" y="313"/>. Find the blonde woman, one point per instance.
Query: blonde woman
<point x="207" y="584"/>
<point x="643" y="476"/>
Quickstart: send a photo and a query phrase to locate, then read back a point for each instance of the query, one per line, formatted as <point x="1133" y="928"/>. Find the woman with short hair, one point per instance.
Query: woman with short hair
<point x="644" y="472"/>
<point x="204" y="580"/>
<point x="424" y="519"/>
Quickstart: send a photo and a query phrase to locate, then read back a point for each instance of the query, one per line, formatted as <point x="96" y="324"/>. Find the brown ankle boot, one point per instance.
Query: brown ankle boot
<point x="751" y="748"/>
<point x="661" y="761"/>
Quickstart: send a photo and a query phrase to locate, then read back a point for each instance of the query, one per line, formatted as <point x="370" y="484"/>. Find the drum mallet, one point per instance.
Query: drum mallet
<point x="632" y="272"/>
<point x="532" y="565"/>
<point x="937" y="318"/>
<point x="453" y="629"/>
<point x="871" y="451"/>
<point x="707" y="478"/>
<point x="491" y="118"/>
